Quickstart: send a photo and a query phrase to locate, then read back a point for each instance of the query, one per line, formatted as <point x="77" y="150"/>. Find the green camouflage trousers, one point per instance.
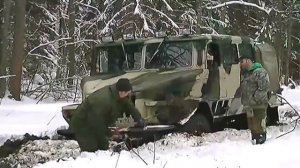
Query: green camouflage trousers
<point x="257" y="120"/>
<point x="89" y="142"/>
<point x="90" y="139"/>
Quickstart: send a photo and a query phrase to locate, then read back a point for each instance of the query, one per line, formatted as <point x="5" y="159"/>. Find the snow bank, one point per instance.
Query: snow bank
<point x="18" y="118"/>
<point x="229" y="148"/>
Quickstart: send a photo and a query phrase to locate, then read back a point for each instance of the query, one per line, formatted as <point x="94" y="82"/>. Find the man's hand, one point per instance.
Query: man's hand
<point x="140" y="123"/>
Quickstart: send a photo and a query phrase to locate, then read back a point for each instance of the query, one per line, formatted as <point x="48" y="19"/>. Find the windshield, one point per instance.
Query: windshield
<point x="119" y="58"/>
<point x="169" y="55"/>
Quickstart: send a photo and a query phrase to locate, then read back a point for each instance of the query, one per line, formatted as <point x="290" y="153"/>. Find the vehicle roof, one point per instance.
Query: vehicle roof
<point x="173" y="38"/>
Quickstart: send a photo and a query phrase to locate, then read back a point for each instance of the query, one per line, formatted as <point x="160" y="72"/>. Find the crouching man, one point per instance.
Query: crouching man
<point x="255" y="87"/>
<point x="98" y="111"/>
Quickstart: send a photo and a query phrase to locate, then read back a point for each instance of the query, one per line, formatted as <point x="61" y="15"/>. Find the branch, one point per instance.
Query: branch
<point x="188" y="16"/>
<point x="297" y="19"/>
<point x="209" y="28"/>
<point x="142" y="15"/>
<point x="46" y="12"/>
<point x="172" y="22"/>
<point x="89" y="6"/>
<point x="50" y="42"/>
<point x="296" y="38"/>
<point x="296" y="63"/>
<point x="51" y="29"/>
<point x="267" y="11"/>
<point x="167" y="5"/>
<point x="37" y="29"/>
<point x="150" y="20"/>
<point x="7" y="76"/>
<point x="105" y="29"/>
<point x="80" y="41"/>
<point x="101" y="17"/>
<point x="217" y="21"/>
<point x="294" y="11"/>
<point x="45" y="57"/>
<point x="264" y="26"/>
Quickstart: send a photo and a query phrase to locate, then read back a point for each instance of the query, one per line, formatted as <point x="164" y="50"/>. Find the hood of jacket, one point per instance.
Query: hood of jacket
<point x="255" y="66"/>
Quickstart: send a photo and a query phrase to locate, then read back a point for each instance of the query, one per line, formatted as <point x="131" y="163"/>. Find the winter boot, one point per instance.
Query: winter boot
<point x="258" y="138"/>
<point x="261" y="138"/>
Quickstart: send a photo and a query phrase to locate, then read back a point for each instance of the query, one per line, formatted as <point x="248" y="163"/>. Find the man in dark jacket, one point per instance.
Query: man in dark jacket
<point x="98" y="111"/>
<point x="255" y="87"/>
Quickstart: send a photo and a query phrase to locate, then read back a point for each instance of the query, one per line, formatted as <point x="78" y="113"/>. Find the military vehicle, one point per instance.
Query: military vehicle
<point x="189" y="81"/>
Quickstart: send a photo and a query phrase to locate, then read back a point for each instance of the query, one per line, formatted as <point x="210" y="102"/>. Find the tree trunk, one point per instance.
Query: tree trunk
<point x="61" y="71"/>
<point x="199" y="16"/>
<point x="18" y="49"/>
<point x="71" y="46"/>
<point x="4" y="46"/>
<point x="279" y="39"/>
<point x="289" y="44"/>
<point x="221" y="28"/>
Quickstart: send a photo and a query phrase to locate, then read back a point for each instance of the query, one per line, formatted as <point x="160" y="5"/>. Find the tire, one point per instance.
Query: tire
<point x="197" y="125"/>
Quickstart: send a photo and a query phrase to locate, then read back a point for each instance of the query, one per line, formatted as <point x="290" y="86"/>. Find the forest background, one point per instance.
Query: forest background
<point x="44" y="43"/>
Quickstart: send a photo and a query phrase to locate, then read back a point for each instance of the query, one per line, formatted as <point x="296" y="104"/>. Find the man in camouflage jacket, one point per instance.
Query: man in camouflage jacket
<point x="91" y="119"/>
<point x="255" y="87"/>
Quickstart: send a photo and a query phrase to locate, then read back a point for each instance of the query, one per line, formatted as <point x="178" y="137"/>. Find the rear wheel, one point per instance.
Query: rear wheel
<point x="197" y="125"/>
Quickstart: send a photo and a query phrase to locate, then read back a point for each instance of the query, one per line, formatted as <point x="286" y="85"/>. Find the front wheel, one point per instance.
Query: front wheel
<point x="197" y="125"/>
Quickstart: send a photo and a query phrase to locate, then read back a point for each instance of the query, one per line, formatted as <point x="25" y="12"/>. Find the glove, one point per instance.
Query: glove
<point x="140" y="123"/>
<point x="117" y="148"/>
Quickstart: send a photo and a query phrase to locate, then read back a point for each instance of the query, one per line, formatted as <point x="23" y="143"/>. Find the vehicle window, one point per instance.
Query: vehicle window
<point x="246" y="48"/>
<point x="111" y="59"/>
<point x="167" y="55"/>
<point x="200" y="46"/>
<point x="133" y="57"/>
<point x="102" y="61"/>
<point x="114" y="59"/>
<point x="213" y="55"/>
<point x="199" y="57"/>
<point x="230" y="54"/>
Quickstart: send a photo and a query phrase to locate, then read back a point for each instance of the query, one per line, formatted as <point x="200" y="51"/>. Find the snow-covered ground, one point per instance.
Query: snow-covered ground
<point x="18" y="118"/>
<point x="229" y="148"/>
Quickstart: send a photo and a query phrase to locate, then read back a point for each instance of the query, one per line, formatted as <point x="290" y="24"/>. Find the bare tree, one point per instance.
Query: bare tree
<point x="61" y="33"/>
<point x="289" y="41"/>
<point x="4" y="46"/>
<point x="71" y="47"/>
<point x="62" y="49"/>
<point x="18" y="49"/>
<point x="199" y="15"/>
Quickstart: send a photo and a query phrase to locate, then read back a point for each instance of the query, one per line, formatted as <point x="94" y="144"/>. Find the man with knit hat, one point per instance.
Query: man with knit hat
<point x="98" y="111"/>
<point x="255" y="86"/>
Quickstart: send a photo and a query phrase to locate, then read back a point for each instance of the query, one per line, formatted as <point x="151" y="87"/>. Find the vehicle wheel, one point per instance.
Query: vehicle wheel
<point x="197" y="125"/>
